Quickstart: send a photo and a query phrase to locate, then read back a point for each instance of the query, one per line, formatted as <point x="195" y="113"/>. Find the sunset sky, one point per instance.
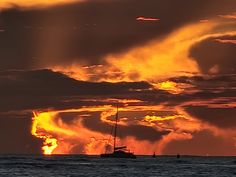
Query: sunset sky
<point x="170" y="66"/>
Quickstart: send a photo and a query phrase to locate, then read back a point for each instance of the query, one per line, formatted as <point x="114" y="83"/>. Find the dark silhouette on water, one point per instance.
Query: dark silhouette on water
<point x="178" y="156"/>
<point x="154" y="155"/>
<point x="118" y="152"/>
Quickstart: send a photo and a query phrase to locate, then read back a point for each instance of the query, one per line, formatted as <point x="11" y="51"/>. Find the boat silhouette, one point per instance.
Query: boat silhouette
<point x="154" y="155"/>
<point x="118" y="151"/>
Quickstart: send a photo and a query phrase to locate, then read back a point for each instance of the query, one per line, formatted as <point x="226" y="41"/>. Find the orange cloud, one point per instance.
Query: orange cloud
<point x="33" y="3"/>
<point x="156" y="60"/>
<point x="169" y="86"/>
<point x="44" y="127"/>
<point x="204" y="21"/>
<point x="62" y="138"/>
<point x="161" y="57"/>
<point x="229" y="41"/>
<point x="230" y="16"/>
<point x="153" y="61"/>
<point x="147" y="19"/>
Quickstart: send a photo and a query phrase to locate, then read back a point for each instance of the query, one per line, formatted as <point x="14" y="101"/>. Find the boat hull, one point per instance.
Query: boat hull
<point x="119" y="154"/>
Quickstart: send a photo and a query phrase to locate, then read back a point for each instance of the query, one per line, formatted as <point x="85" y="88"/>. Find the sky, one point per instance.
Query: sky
<point x="168" y="65"/>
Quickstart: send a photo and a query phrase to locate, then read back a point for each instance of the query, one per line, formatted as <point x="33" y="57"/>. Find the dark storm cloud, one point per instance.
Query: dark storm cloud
<point x="217" y="82"/>
<point x="93" y="122"/>
<point x="140" y="132"/>
<point x="15" y="135"/>
<point x="215" y="55"/>
<point x="24" y="90"/>
<point x="215" y="145"/>
<point x="217" y="91"/>
<point x="220" y="117"/>
<point x="42" y="89"/>
<point x="87" y="31"/>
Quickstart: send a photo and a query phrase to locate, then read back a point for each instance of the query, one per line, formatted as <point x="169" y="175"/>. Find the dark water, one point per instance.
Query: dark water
<point x="36" y="166"/>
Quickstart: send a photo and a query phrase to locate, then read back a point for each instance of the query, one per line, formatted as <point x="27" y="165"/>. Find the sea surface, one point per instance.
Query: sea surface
<point x="75" y="165"/>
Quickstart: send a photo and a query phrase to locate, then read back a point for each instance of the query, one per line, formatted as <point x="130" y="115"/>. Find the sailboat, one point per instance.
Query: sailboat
<point x="118" y="151"/>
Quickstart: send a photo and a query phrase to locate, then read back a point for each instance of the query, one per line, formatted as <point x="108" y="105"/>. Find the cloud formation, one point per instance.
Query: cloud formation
<point x="215" y="55"/>
<point x="220" y="117"/>
<point x="224" y="146"/>
<point x="173" y="79"/>
<point x="147" y="19"/>
<point x="85" y="105"/>
<point x="81" y="34"/>
<point x="32" y="4"/>
<point x="17" y="139"/>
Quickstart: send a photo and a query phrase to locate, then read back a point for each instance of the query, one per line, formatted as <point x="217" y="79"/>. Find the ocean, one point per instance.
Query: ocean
<point x="76" y="165"/>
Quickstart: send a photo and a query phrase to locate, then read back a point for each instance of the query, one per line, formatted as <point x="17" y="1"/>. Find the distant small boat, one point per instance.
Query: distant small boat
<point x="178" y="156"/>
<point x="154" y="155"/>
<point x="118" y="152"/>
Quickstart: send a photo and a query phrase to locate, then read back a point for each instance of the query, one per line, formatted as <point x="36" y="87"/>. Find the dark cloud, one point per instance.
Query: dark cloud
<point x="140" y="132"/>
<point x="203" y="143"/>
<point x="15" y="135"/>
<point x="42" y="89"/>
<point x="206" y="87"/>
<point x="85" y="32"/>
<point x="46" y="82"/>
<point x="214" y="56"/>
<point x="220" y="117"/>
<point x="23" y="90"/>
<point x="92" y="121"/>
<point x="214" y="83"/>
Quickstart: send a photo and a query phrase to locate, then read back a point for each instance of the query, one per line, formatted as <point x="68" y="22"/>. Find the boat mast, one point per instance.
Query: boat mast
<point x="115" y="129"/>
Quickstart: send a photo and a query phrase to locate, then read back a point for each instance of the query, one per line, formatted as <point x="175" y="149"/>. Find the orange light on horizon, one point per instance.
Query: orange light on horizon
<point x="147" y="19"/>
<point x="44" y="127"/>
<point x="49" y="143"/>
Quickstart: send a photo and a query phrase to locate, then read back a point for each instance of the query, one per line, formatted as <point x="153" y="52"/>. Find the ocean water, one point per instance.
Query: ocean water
<point x="75" y="165"/>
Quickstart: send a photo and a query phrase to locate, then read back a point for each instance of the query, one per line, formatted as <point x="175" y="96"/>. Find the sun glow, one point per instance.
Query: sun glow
<point x="44" y="127"/>
<point x="61" y="138"/>
<point x="169" y="86"/>
<point x="49" y="143"/>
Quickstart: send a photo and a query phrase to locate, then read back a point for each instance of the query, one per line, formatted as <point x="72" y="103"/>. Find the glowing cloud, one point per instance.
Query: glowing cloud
<point x="50" y="143"/>
<point x="168" y="57"/>
<point x="230" y="16"/>
<point x="228" y="41"/>
<point x="44" y="127"/>
<point x="62" y="138"/>
<point x="162" y="57"/>
<point x="169" y="86"/>
<point x="147" y="19"/>
<point x="204" y="21"/>
<point x="156" y="60"/>
<point x="33" y="3"/>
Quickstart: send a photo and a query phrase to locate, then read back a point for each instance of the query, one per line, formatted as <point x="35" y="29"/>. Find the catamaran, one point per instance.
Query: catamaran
<point x="118" y="151"/>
